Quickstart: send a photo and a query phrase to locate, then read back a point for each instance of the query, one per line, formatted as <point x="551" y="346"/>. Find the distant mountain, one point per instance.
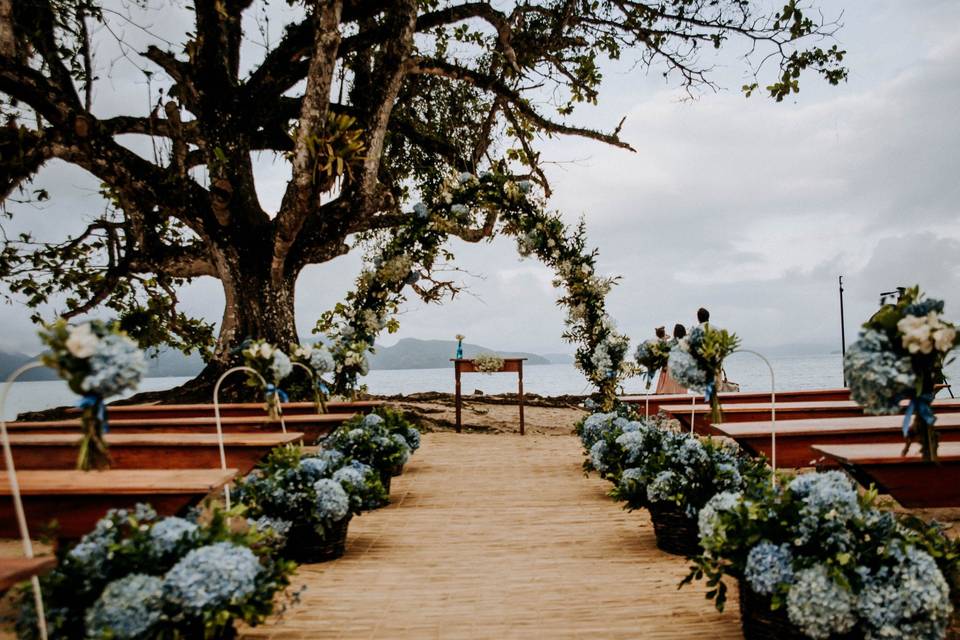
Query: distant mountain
<point x="559" y="358"/>
<point x="411" y="353"/>
<point x="10" y="360"/>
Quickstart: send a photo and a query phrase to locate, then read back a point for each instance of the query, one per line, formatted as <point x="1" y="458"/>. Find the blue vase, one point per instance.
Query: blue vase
<point x="459" y="349"/>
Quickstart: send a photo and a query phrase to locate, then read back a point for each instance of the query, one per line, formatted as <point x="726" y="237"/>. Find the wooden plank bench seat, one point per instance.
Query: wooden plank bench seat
<point x="910" y="480"/>
<point x="736" y="397"/>
<point x="15" y="570"/>
<point x="241" y="409"/>
<point x="759" y="411"/>
<point x="796" y="438"/>
<point x="312" y="426"/>
<point x="77" y="499"/>
<point x="150" y="450"/>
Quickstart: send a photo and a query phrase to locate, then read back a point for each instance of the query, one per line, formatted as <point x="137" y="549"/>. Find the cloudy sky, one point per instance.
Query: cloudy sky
<point x="747" y="207"/>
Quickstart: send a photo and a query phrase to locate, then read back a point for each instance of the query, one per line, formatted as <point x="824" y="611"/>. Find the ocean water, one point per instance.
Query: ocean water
<point x="791" y="372"/>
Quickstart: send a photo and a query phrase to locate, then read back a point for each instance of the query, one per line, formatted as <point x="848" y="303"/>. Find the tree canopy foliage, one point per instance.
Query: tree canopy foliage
<point x="373" y="105"/>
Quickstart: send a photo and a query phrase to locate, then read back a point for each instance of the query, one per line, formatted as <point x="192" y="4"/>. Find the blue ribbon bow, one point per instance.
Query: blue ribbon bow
<point x="96" y="401"/>
<point x="709" y="392"/>
<point x="273" y="389"/>
<point x="921" y="406"/>
<point x="324" y="389"/>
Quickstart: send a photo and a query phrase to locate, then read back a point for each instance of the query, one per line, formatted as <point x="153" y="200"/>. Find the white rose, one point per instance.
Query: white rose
<point x="82" y="341"/>
<point x="266" y="351"/>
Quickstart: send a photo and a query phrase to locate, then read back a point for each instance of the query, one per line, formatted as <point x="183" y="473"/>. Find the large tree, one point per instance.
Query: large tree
<point x="374" y="104"/>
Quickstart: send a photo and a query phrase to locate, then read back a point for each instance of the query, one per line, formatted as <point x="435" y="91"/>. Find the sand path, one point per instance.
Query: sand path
<point x="500" y="537"/>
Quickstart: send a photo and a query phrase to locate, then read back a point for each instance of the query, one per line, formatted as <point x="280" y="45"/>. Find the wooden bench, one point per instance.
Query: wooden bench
<point x="759" y="411"/>
<point x="796" y="438"/>
<point x="236" y="410"/>
<point x="311" y="426"/>
<point x="77" y="499"/>
<point x="736" y="397"/>
<point x="15" y="570"/>
<point x="910" y="480"/>
<point x="150" y="450"/>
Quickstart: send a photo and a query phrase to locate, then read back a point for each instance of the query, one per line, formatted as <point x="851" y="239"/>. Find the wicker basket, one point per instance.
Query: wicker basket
<point x="676" y="532"/>
<point x="760" y="623"/>
<point x="396" y="470"/>
<point x="306" y="546"/>
<point x="385" y="476"/>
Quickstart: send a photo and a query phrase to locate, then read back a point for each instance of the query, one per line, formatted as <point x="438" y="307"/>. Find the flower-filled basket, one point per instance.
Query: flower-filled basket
<point x="273" y="365"/>
<point x="367" y="440"/>
<point x="396" y="423"/>
<point x="816" y="559"/>
<point x="97" y="360"/>
<point x="313" y="496"/>
<point x="899" y="356"/>
<point x="140" y="576"/>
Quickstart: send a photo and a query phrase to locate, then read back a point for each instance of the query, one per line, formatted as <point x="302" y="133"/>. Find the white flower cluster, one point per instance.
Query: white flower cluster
<point x="923" y="334"/>
<point x="272" y="363"/>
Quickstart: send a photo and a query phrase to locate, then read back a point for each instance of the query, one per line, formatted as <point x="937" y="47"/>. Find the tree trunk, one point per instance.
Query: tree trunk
<point x="256" y="306"/>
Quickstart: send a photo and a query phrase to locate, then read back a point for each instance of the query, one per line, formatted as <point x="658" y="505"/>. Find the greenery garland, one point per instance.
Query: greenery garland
<point x="482" y="205"/>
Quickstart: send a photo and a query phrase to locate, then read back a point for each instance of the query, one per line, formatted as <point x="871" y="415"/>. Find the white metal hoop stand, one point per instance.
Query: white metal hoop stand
<point x="216" y="414"/>
<point x="693" y="411"/>
<point x="17" y="502"/>
<point x="773" y="414"/>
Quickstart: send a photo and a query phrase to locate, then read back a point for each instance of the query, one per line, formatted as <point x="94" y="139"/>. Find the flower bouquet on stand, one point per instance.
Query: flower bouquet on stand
<point x="488" y="362"/>
<point x="697" y="362"/>
<point x="900" y="355"/>
<point x="652" y="356"/>
<point x="274" y="365"/>
<point x="312" y="496"/>
<point x="816" y="559"/>
<point x="139" y="576"/>
<point x="320" y="362"/>
<point x="97" y="360"/>
<point x="460" y="338"/>
<point x="367" y="440"/>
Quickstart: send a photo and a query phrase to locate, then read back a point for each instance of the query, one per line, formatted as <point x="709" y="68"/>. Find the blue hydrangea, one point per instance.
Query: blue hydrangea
<point x="421" y="210"/>
<point x="401" y="444"/>
<point x="277" y="527"/>
<point x="333" y="504"/>
<point x="465" y="177"/>
<point x="712" y="533"/>
<point x="631" y="475"/>
<point x="691" y="453"/>
<point x="597" y="453"/>
<point x="372" y="420"/>
<point x="212" y="577"/>
<point x="769" y="566"/>
<point x="459" y="210"/>
<point x="280" y="366"/>
<point x="167" y="534"/>
<point x="322" y="464"/>
<point x="877" y="377"/>
<point x="91" y="554"/>
<point x="818" y="605"/>
<point x="924" y="307"/>
<point x="633" y="445"/>
<point x="117" y="364"/>
<point x="413" y="439"/>
<point x="320" y="359"/>
<point x="727" y="477"/>
<point x="685" y="369"/>
<point x="909" y="600"/>
<point x="525" y="186"/>
<point x="352" y="477"/>
<point x="594" y="426"/>
<point x="128" y="608"/>
<point x="663" y="487"/>
<point x="830" y="501"/>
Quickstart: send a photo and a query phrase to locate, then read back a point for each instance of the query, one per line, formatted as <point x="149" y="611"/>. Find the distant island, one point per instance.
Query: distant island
<point x="408" y="353"/>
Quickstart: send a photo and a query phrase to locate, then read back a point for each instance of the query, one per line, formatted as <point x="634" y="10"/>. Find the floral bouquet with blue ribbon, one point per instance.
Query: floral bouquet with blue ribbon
<point x="97" y="360"/>
<point x="697" y="362"/>
<point x="900" y="356"/>
<point x="652" y="356"/>
<point x="274" y="365"/>
<point x="320" y="361"/>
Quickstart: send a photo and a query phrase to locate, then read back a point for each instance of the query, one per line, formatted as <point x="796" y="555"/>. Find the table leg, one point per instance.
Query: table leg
<point x="520" y="387"/>
<point x="457" y="374"/>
